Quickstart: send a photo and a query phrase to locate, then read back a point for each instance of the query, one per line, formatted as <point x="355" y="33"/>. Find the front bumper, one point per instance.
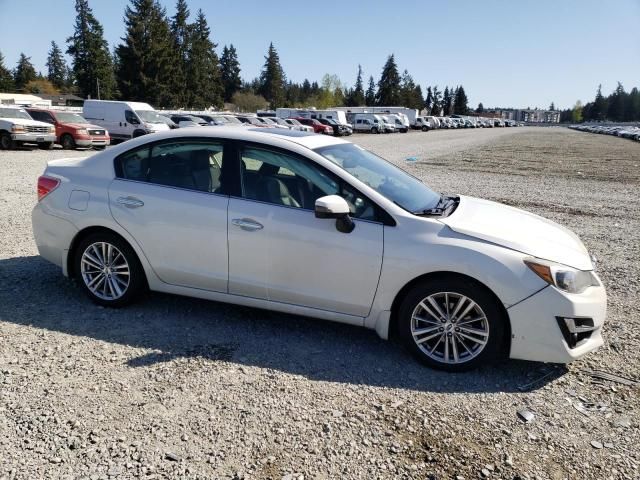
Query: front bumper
<point x="536" y="324"/>
<point x="34" y="137"/>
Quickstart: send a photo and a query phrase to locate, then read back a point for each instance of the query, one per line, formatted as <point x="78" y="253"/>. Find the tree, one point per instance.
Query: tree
<point x="480" y="108"/>
<point x="57" y="67"/>
<point x="436" y="109"/>
<point x="599" y="108"/>
<point x="272" y="79"/>
<point x="204" y="82"/>
<point x="230" y="71"/>
<point x="7" y="83"/>
<point x="576" y="114"/>
<point x="24" y="72"/>
<point x="428" y="101"/>
<point x="447" y="102"/>
<point x="181" y="34"/>
<point x="410" y="93"/>
<point x="552" y="107"/>
<point x="357" y="97"/>
<point x="616" y="104"/>
<point x="633" y="106"/>
<point x="460" y="102"/>
<point x="41" y="85"/>
<point x="249" y="102"/>
<point x="147" y="62"/>
<point x="389" y="84"/>
<point x="91" y="61"/>
<point x="370" y="96"/>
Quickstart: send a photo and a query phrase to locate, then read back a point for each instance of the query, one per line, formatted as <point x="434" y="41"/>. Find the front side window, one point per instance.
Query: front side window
<point x="191" y="165"/>
<point x="130" y="117"/>
<point x="281" y="179"/>
<point x="390" y="181"/>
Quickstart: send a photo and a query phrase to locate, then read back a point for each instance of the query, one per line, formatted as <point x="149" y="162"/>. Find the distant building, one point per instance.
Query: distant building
<point x="531" y="116"/>
<point x="23" y="100"/>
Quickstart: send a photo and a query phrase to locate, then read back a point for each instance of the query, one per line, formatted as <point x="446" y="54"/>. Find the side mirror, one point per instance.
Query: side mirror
<point x="334" y="206"/>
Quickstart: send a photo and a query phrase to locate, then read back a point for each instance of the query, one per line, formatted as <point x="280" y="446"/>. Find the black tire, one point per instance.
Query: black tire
<point x="6" y="142"/>
<point x="67" y="142"/>
<point x="45" y="145"/>
<point x="136" y="283"/>
<point x="424" y="128"/>
<point x="494" y="322"/>
<point x="375" y="130"/>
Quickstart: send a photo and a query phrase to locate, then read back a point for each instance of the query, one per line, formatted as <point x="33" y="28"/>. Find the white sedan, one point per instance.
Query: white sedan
<point x="314" y="225"/>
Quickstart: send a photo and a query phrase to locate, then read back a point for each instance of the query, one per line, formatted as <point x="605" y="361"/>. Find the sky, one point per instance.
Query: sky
<point x="504" y="53"/>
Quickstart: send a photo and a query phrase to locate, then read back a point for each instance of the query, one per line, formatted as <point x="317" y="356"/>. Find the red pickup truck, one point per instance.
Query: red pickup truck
<point x="317" y="126"/>
<point x="72" y="130"/>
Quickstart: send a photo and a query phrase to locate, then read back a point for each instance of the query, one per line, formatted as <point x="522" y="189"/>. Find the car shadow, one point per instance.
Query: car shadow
<point x="34" y="293"/>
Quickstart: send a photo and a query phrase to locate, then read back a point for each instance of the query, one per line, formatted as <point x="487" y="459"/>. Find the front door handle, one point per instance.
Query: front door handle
<point x="247" y="224"/>
<point x="130" y="202"/>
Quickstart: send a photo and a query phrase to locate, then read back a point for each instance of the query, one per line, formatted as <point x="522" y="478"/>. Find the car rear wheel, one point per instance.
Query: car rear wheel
<point x="452" y="324"/>
<point x="424" y="128"/>
<point x="375" y="130"/>
<point x="6" y="142"/>
<point x="109" y="270"/>
<point x="68" y="143"/>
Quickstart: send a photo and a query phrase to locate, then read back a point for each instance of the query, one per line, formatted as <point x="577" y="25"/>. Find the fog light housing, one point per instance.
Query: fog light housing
<point x="575" y="330"/>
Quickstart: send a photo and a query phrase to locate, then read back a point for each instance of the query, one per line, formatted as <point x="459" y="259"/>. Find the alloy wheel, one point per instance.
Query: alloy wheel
<point x="449" y="327"/>
<point x="105" y="271"/>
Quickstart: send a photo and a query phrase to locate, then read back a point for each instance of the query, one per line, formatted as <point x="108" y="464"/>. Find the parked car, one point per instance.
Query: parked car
<point x="460" y="280"/>
<point x="316" y="125"/>
<point x="338" y="129"/>
<point x="124" y="120"/>
<point x="296" y="125"/>
<point x="253" y="120"/>
<point x="72" y="130"/>
<point x="18" y="128"/>
<point x="368" y="122"/>
<point x="185" y="120"/>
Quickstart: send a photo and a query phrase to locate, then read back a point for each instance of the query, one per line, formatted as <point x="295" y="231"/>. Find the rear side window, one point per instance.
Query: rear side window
<point x="192" y="165"/>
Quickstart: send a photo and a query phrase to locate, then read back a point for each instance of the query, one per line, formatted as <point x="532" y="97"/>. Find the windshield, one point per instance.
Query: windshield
<point x="150" y="116"/>
<point x="66" y="117"/>
<point x="232" y="120"/>
<point x="398" y="186"/>
<point x="14" y="113"/>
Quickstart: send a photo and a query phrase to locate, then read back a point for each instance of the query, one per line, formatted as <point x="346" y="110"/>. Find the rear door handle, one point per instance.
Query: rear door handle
<point x="130" y="202"/>
<point x="247" y="224"/>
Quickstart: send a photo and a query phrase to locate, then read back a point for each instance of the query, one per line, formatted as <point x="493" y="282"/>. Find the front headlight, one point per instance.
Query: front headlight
<point x="562" y="277"/>
<point x="17" y="129"/>
<point x="82" y="131"/>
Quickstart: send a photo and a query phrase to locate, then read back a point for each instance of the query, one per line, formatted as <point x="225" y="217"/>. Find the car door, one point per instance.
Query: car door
<point x="279" y="250"/>
<point x="169" y="196"/>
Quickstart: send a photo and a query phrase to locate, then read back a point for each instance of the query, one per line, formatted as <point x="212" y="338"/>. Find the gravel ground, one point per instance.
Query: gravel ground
<point x="181" y="388"/>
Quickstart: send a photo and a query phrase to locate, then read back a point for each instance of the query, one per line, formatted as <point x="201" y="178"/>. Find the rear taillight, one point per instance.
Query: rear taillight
<point x="46" y="185"/>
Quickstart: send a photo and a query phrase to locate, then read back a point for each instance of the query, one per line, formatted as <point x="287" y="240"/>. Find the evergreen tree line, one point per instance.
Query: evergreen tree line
<point x="619" y="106"/>
<point x="171" y="62"/>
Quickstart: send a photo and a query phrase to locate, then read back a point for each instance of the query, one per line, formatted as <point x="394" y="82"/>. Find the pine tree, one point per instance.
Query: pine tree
<point x="306" y="90"/>
<point x="410" y="93"/>
<point x="204" y="82"/>
<point x="370" y="95"/>
<point x="91" y="62"/>
<point x="436" y="109"/>
<point x="616" y="102"/>
<point x="230" y="71"/>
<point x="357" y="97"/>
<point x="181" y="35"/>
<point x="272" y="79"/>
<point x="389" y="84"/>
<point x="428" y="101"/>
<point x="598" y="110"/>
<point x="7" y="83"/>
<point x="461" y="106"/>
<point x="633" y="106"/>
<point x="146" y="60"/>
<point x="447" y="102"/>
<point x="24" y="72"/>
<point x="480" y="108"/>
<point x="552" y="107"/>
<point x="57" y="67"/>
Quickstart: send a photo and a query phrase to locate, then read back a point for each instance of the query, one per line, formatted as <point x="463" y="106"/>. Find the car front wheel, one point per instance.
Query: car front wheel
<point x="6" y="142"/>
<point x="108" y="270"/>
<point x="68" y="143"/>
<point x="452" y="324"/>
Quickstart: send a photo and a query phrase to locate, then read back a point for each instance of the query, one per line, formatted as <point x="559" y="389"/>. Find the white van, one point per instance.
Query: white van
<point x="368" y="122"/>
<point x="396" y="120"/>
<point x="124" y="120"/>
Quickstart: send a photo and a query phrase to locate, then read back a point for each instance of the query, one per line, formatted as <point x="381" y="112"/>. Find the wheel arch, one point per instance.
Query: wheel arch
<point x="84" y="233"/>
<point x="397" y="301"/>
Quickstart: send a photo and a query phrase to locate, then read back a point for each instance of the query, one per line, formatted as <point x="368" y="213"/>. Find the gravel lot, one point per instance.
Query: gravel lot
<point x="182" y="388"/>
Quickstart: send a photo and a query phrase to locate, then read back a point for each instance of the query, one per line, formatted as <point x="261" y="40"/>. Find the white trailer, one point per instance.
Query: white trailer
<point x="410" y="113"/>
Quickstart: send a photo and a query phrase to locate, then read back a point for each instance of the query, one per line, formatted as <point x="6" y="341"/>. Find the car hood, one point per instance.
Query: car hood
<point x="25" y="122"/>
<point x="518" y="230"/>
<point x="90" y="126"/>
